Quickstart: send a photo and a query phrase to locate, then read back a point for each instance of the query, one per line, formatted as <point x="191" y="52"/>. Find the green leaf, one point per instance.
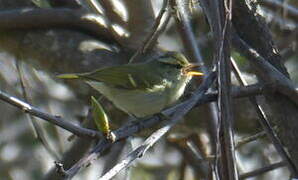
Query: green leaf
<point x="100" y="117"/>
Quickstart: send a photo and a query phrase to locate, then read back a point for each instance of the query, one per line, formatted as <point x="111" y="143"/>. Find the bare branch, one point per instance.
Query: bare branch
<point x="267" y="71"/>
<point x="284" y="110"/>
<point x="249" y="139"/>
<point x="79" y="148"/>
<point x="266" y="124"/>
<point x="262" y="170"/>
<point x="57" y="120"/>
<point x="225" y="136"/>
<point x="37" y="127"/>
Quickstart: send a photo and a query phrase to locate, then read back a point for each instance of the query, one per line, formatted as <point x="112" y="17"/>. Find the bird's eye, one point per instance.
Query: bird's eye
<point x="177" y="66"/>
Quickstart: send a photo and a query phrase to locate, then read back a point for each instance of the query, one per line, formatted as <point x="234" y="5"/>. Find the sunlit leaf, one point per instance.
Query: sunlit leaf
<point x="99" y="116"/>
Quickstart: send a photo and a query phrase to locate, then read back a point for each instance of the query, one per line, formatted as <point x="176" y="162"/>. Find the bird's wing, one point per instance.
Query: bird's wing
<point x="127" y="77"/>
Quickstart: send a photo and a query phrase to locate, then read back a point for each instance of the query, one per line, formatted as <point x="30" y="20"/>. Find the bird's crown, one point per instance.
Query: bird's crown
<point x="174" y="58"/>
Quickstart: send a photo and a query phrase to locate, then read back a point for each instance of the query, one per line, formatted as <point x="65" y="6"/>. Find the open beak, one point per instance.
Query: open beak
<point x="188" y="70"/>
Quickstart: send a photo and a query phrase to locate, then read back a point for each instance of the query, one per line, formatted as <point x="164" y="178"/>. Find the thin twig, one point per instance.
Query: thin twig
<point x="57" y="120"/>
<point x="153" y="138"/>
<point x="157" y="29"/>
<point x="249" y="139"/>
<point x="262" y="170"/>
<point x="36" y="126"/>
<point x="266" y="124"/>
<point x="226" y="142"/>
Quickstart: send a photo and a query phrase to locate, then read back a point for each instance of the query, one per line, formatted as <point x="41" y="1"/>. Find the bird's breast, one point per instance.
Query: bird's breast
<point x="140" y="103"/>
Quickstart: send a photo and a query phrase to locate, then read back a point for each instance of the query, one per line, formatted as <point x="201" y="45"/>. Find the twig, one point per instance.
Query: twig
<point x="262" y="170"/>
<point x="266" y="124"/>
<point x="202" y="164"/>
<point x="37" y="128"/>
<point x="157" y="29"/>
<point x="153" y="138"/>
<point x="228" y="169"/>
<point x="80" y="146"/>
<point x="249" y="139"/>
<point x="57" y="120"/>
<point x="267" y="71"/>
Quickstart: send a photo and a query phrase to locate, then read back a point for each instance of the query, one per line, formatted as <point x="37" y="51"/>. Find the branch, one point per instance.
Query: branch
<point x="262" y="170"/>
<point x="249" y="139"/>
<point x="266" y="124"/>
<point x="80" y="146"/>
<point x="57" y="120"/>
<point x="267" y="72"/>
<point x="40" y="135"/>
<point x="29" y="18"/>
<point x="225" y="133"/>
<point x="153" y="138"/>
<point x="284" y="110"/>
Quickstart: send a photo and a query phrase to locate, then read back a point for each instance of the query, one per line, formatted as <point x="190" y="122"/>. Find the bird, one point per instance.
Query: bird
<point x="142" y="89"/>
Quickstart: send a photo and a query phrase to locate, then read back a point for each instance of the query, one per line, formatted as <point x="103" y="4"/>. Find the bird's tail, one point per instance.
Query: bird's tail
<point x="68" y="76"/>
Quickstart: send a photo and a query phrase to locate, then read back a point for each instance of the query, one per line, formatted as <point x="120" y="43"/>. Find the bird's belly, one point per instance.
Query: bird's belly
<point x="134" y="102"/>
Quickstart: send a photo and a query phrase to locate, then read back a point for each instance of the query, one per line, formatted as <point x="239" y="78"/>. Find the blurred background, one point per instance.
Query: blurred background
<point x="30" y="59"/>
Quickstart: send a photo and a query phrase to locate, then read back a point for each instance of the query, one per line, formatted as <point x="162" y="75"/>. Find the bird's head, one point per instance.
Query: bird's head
<point x="179" y="62"/>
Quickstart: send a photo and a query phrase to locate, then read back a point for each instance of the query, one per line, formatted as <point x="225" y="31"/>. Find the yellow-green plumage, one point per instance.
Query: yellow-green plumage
<point x="141" y="89"/>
